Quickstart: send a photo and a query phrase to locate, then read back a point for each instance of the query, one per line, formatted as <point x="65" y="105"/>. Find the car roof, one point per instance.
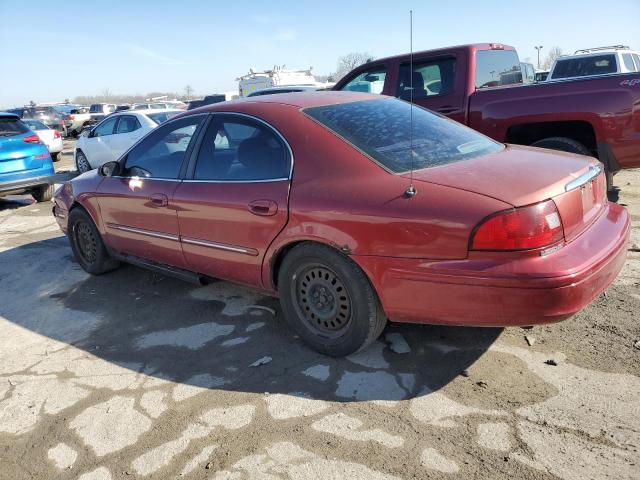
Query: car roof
<point x="296" y="99"/>
<point x="8" y="114"/>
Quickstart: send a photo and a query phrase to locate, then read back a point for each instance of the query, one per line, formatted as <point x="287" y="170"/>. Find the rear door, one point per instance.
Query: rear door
<point x="234" y="201"/>
<point x="139" y="215"/>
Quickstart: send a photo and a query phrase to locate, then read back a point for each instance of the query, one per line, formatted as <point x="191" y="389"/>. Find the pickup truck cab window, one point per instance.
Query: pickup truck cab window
<point x="430" y="78"/>
<point x="497" y="68"/>
<point x="160" y="155"/>
<point x="369" y="81"/>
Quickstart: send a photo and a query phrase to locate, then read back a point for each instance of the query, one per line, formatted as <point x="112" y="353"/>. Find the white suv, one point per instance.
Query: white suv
<point x="595" y="61"/>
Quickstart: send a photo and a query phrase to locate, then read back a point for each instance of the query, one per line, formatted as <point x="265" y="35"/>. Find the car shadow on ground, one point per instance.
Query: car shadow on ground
<point x="210" y="336"/>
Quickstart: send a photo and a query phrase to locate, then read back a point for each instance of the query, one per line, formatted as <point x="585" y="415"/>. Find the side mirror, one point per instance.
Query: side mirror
<point x="109" y="169"/>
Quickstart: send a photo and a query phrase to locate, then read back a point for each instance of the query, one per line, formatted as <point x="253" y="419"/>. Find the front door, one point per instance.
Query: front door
<point x="98" y="149"/>
<point x="137" y="209"/>
<point x="235" y="199"/>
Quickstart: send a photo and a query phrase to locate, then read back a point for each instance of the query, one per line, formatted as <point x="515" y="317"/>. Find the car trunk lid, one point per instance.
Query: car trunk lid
<point x="523" y="176"/>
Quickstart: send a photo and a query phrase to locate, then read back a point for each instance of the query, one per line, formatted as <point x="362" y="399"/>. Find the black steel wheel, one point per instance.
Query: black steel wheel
<point x="86" y="241"/>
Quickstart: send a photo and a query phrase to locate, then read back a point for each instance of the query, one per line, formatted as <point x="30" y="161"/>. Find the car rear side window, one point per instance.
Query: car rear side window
<point x="369" y="81"/>
<point x="10" y="127"/>
<point x="161" y="117"/>
<point x="240" y="149"/>
<point x="381" y="130"/>
<point x="430" y="79"/>
<point x="496" y="68"/>
<point x="160" y="155"/>
<point x="585" y="66"/>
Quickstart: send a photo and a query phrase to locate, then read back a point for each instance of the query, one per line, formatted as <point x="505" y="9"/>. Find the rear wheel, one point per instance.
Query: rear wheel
<point x="328" y="300"/>
<point x="43" y="193"/>
<point x="55" y="156"/>
<point x="82" y="164"/>
<point x="87" y="245"/>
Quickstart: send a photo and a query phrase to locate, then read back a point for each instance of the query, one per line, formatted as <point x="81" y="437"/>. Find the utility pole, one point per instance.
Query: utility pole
<point x="538" y="49"/>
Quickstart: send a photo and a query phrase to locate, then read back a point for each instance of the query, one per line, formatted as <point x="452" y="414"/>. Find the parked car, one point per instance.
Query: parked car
<point x="481" y="87"/>
<point x="50" y="137"/>
<point x="284" y="89"/>
<point x="595" y="61"/>
<point x="100" y="110"/>
<point x="46" y="114"/>
<point x="25" y="163"/>
<point x="114" y="135"/>
<point x="430" y="224"/>
<point x="75" y="116"/>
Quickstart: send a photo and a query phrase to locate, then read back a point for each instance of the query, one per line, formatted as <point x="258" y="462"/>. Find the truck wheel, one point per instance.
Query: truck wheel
<point x="43" y="193"/>
<point x="563" y="144"/>
<point x="328" y="300"/>
<point x="87" y="245"/>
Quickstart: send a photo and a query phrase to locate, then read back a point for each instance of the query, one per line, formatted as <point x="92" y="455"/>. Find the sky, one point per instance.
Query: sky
<point x="50" y="51"/>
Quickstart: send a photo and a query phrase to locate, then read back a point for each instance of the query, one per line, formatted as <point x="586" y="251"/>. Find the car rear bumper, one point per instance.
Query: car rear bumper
<point x="494" y="291"/>
<point x="21" y="185"/>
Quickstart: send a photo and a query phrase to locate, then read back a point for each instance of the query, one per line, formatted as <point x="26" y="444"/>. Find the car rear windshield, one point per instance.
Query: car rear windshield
<point x="585" y="66"/>
<point x="12" y="126"/>
<point x="381" y="130"/>
<point x="96" y="109"/>
<point x="161" y="117"/>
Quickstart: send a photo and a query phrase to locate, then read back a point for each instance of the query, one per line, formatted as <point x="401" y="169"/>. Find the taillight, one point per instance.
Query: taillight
<point x="524" y="228"/>
<point x="56" y="134"/>
<point x="41" y="156"/>
<point x="71" y="117"/>
<point x="31" y="139"/>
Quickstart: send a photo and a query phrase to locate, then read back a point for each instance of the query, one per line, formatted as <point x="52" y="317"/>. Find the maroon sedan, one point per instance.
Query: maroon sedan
<point x="334" y="203"/>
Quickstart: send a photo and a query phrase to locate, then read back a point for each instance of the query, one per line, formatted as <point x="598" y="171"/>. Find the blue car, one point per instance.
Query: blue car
<point x="25" y="163"/>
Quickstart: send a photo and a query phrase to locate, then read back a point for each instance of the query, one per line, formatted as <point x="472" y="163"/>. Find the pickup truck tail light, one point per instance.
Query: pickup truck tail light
<point x="524" y="228"/>
<point x="31" y="139"/>
<point x="56" y="134"/>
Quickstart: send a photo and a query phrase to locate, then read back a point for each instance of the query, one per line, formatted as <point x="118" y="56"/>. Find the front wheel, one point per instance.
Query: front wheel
<point x="87" y="244"/>
<point x="82" y="164"/>
<point x="328" y="300"/>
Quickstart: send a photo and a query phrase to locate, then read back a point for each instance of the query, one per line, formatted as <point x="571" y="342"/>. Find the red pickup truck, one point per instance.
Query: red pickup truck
<point x="481" y="86"/>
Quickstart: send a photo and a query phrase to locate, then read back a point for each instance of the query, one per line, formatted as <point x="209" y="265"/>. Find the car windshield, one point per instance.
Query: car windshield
<point x="11" y="126"/>
<point x="161" y="117"/>
<point x="381" y="130"/>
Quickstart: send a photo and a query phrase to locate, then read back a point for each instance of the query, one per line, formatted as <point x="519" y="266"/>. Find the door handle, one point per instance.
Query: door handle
<point x="159" y="200"/>
<point x="447" y="109"/>
<point x="265" y="208"/>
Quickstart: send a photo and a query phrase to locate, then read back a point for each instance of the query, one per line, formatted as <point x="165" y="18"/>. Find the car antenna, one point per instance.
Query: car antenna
<point x="411" y="191"/>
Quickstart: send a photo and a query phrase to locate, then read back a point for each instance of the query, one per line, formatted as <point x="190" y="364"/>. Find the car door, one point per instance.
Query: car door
<point x="99" y="145"/>
<point x="137" y="207"/>
<point x="435" y="86"/>
<point x="128" y="131"/>
<point x="234" y="201"/>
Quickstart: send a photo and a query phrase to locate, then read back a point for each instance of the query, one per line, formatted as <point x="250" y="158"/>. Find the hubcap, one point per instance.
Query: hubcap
<point x="83" y="163"/>
<point x="322" y="300"/>
<point x="86" y="242"/>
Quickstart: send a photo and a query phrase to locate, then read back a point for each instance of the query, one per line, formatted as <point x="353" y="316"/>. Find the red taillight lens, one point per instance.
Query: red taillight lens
<point x="56" y="134"/>
<point x="31" y="139"/>
<point x="71" y="117"/>
<point x="523" y="228"/>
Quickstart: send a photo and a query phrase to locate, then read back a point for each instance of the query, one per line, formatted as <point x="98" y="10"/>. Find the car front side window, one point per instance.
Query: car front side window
<point x="160" y="155"/>
<point x="240" y="149"/>
<point x="105" y="128"/>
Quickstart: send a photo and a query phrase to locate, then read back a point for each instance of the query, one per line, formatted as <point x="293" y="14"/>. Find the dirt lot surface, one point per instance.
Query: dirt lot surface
<point x="134" y="375"/>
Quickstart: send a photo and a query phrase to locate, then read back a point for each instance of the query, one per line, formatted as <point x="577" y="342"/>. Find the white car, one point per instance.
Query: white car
<point x="47" y="135"/>
<point x="114" y="135"/>
<point x="595" y="61"/>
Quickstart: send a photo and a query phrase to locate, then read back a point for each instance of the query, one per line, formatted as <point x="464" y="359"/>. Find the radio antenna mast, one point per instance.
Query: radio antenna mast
<point x="411" y="191"/>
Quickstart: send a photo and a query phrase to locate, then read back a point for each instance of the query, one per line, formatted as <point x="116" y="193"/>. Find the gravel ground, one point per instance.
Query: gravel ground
<point x="133" y="375"/>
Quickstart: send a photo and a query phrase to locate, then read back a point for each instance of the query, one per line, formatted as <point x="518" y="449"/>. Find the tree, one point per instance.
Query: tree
<point x="554" y="53"/>
<point x="348" y="62"/>
<point x="188" y="91"/>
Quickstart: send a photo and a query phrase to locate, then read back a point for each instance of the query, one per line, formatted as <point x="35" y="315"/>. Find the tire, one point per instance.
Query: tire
<point x="82" y="164"/>
<point x="43" y="193"/>
<point x="87" y="244"/>
<point x="55" y="156"/>
<point x="348" y="316"/>
<point x="563" y="144"/>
